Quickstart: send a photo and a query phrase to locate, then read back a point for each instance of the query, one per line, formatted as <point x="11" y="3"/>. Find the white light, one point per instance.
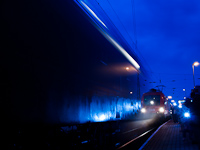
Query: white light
<point x="102" y="117"/>
<point x="179" y="106"/>
<point x="143" y="110"/>
<point x="174" y="104"/>
<point x="90" y="10"/>
<point x="172" y="101"/>
<point x="187" y="114"/>
<point x="161" y="109"/>
<point x="151" y="102"/>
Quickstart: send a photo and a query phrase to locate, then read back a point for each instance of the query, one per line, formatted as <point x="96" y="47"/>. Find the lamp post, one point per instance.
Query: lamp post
<point x="194" y="64"/>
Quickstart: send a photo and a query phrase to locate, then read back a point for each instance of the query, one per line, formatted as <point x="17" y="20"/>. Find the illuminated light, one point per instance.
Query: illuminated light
<point x="127" y="68"/>
<point x="183" y="89"/>
<point x="143" y="110"/>
<point x="128" y="107"/>
<point x="184" y="97"/>
<point x="151" y="102"/>
<point x="187" y="114"/>
<point x="180" y="106"/>
<point x="90" y="10"/>
<point x="161" y="109"/>
<point x="122" y="50"/>
<point x="196" y="63"/>
<point x="169" y="97"/>
<point x="191" y="100"/>
<point x="181" y="101"/>
<point x="131" y="92"/>
<point x="100" y="118"/>
<point x="174" y="104"/>
<point x="172" y="101"/>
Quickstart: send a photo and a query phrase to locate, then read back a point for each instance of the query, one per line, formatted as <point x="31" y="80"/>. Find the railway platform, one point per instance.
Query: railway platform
<point x="168" y="137"/>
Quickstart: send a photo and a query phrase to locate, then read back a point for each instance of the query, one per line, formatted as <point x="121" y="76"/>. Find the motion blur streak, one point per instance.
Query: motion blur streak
<point x="110" y="39"/>
<point x="90" y="10"/>
<point x="122" y="50"/>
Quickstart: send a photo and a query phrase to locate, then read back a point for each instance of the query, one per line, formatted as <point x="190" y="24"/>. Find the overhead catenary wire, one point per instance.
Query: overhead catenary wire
<point x="134" y="27"/>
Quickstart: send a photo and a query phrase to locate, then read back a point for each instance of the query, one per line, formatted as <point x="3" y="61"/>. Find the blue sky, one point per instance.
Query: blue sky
<point x="166" y="34"/>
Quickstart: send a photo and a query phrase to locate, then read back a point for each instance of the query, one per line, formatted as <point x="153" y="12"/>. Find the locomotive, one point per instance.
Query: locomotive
<point x="155" y="103"/>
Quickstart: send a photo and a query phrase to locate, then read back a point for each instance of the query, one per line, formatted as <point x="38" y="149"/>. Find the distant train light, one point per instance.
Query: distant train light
<point x="143" y="110"/>
<point x="151" y="102"/>
<point x="161" y="109"/>
<point x="187" y="114"/>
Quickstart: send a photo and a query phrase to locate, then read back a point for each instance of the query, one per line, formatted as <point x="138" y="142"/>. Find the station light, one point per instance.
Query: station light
<point x="187" y="114"/>
<point x="169" y="97"/>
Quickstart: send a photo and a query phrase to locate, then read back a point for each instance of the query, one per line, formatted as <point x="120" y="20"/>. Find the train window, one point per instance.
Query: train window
<point x="152" y="100"/>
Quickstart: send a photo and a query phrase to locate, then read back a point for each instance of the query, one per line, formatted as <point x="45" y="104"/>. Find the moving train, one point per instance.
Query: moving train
<point x="63" y="63"/>
<point x="155" y="102"/>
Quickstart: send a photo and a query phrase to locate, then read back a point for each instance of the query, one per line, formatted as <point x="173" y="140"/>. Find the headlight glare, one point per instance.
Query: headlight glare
<point x="161" y="109"/>
<point x="143" y="110"/>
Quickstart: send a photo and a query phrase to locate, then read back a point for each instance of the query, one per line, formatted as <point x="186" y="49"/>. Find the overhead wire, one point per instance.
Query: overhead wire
<point x="134" y="27"/>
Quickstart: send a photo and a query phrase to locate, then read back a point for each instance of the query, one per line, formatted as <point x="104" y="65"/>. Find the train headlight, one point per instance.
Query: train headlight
<point x="151" y="102"/>
<point x="187" y="114"/>
<point x="143" y="110"/>
<point x="161" y="109"/>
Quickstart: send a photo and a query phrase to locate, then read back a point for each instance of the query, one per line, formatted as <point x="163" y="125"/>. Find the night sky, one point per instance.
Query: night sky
<point x="166" y="37"/>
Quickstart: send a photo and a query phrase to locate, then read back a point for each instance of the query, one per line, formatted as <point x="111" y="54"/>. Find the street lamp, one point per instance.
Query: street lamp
<point x="194" y="64"/>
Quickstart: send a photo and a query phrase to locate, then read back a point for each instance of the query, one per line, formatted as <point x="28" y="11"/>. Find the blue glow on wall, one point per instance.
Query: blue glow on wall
<point x="97" y="109"/>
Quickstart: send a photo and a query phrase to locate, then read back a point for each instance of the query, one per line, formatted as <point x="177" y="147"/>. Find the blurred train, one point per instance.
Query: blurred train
<point x="62" y="62"/>
<point x="154" y="103"/>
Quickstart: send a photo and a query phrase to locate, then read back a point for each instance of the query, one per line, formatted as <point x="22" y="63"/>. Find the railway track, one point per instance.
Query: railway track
<point x="107" y="135"/>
